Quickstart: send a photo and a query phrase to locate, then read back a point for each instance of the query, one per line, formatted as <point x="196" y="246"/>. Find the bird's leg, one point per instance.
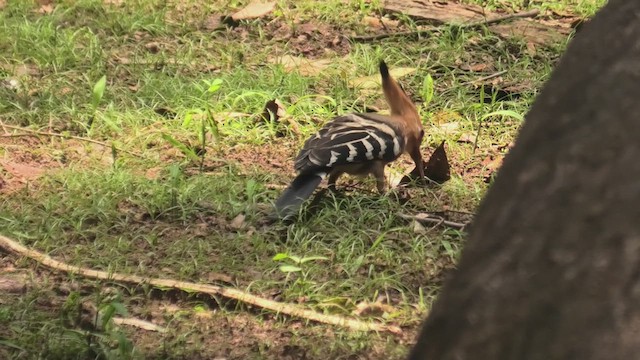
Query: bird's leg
<point x="333" y="177"/>
<point x="378" y="172"/>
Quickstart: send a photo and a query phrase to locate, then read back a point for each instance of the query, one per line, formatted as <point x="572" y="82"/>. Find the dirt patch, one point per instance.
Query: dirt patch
<point x="21" y="162"/>
<point x="26" y="158"/>
<point x="309" y="39"/>
<point x="267" y="158"/>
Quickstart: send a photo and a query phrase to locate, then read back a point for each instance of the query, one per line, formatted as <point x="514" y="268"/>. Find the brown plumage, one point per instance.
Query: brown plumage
<point x="357" y="144"/>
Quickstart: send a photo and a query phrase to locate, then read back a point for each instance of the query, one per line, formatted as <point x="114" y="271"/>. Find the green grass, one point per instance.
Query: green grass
<point x="163" y="214"/>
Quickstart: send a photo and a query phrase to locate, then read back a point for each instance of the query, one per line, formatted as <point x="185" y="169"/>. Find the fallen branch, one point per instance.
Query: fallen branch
<point x="163" y="284"/>
<point x="427" y="32"/>
<point x="497" y="19"/>
<point x="485" y="78"/>
<point x="424" y="218"/>
<point x="139" y="323"/>
<point x="31" y="132"/>
<point x="367" y="38"/>
<point x="96" y="314"/>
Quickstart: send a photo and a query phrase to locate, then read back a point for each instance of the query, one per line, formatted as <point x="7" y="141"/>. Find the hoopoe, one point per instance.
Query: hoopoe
<point x="357" y="144"/>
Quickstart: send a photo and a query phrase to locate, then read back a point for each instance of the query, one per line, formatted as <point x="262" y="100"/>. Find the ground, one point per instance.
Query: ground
<point x="182" y="169"/>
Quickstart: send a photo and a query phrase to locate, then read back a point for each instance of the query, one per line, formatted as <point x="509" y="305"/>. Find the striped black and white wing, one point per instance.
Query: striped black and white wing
<point x="351" y="139"/>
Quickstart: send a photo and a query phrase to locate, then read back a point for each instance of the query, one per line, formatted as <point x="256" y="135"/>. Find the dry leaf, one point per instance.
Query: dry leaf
<point x="165" y="112"/>
<point x="371" y="21"/>
<point x="254" y="10"/>
<point x="467" y="138"/>
<point x="492" y="163"/>
<point x="373" y="81"/>
<point x="153" y="173"/>
<point x="445" y="116"/>
<point x="436" y="169"/>
<point x="474" y="67"/>
<point x="380" y="22"/>
<point x="531" y="49"/>
<point x="230" y="115"/>
<point x="46" y="9"/>
<point x="418" y="228"/>
<point x="212" y="22"/>
<point x="218" y="277"/>
<point x="170" y="308"/>
<point x="273" y="110"/>
<point x="450" y="126"/>
<point x="305" y="67"/>
<point x="393" y="176"/>
<point x="238" y="222"/>
<point x="153" y="47"/>
<point x="291" y="124"/>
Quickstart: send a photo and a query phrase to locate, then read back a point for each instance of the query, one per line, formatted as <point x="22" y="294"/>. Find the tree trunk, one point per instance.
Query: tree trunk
<point x="551" y="269"/>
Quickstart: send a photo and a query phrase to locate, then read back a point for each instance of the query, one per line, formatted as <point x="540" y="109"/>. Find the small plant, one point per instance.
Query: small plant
<point x="105" y="340"/>
<point x="508" y="113"/>
<point x="97" y="94"/>
<point x="295" y="265"/>
<point x="427" y="90"/>
<point x="175" y="178"/>
<point x="296" y="260"/>
<point x="207" y="123"/>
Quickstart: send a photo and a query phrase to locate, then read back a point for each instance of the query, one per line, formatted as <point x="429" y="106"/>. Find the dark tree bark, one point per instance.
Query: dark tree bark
<point x="551" y="269"/>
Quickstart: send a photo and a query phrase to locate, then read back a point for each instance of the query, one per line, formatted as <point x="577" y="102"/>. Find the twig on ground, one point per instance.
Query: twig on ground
<point x="485" y="78"/>
<point x="131" y="321"/>
<point x="523" y="14"/>
<point x="424" y="218"/>
<point x="4" y="128"/>
<point x="431" y="30"/>
<point x="458" y="212"/>
<point x="421" y="32"/>
<point x="163" y="284"/>
<point x="31" y="132"/>
<point x="139" y="323"/>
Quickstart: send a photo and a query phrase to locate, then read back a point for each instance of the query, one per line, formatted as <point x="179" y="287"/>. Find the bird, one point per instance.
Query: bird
<point x="357" y="144"/>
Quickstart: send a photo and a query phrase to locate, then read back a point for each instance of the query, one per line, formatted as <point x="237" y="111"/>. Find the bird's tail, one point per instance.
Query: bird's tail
<point x="296" y="193"/>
